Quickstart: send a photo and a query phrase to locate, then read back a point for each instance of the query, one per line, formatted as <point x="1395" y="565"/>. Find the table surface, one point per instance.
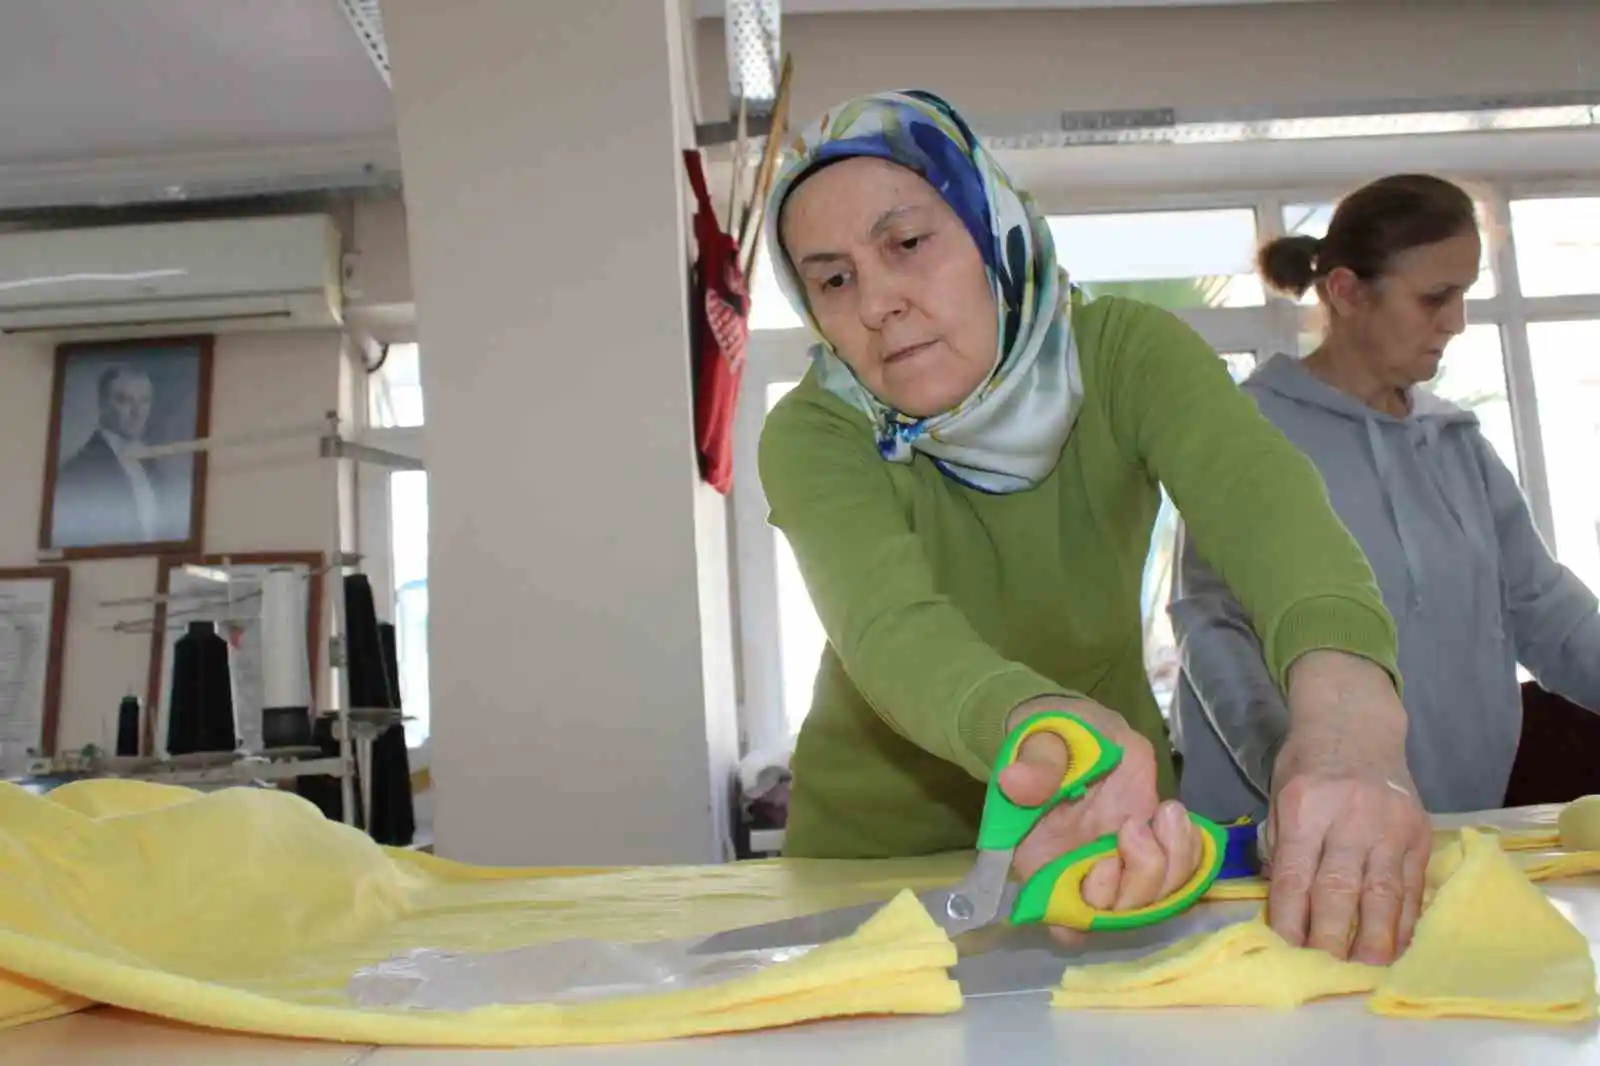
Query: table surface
<point x="1018" y="1030"/>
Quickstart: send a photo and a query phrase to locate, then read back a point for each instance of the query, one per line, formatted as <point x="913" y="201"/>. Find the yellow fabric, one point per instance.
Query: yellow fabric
<point x="247" y="910"/>
<point x="1243" y="965"/>
<point x="1555" y="865"/>
<point x="1239" y="888"/>
<point x="1489" y="944"/>
<point x="1528" y="839"/>
<point x="1549" y="865"/>
<point x="1578" y="824"/>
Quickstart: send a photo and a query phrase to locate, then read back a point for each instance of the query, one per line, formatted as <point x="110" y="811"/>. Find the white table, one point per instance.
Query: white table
<point x="1019" y="1030"/>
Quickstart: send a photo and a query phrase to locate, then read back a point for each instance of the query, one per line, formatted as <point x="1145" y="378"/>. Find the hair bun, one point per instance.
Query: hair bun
<point x="1289" y="264"/>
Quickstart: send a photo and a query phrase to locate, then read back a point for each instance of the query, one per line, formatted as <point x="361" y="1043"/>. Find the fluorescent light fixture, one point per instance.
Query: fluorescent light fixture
<point x="367" y="21"/>
<point x="754" y="54"/>
<point x="1167" y="125"/>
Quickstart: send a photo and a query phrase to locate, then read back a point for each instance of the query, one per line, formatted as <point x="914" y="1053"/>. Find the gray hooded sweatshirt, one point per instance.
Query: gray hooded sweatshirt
<point x="1471" y="585"/>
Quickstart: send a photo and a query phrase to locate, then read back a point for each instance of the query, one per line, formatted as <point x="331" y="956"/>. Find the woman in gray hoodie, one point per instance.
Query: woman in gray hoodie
<point x="1472" y="586"/>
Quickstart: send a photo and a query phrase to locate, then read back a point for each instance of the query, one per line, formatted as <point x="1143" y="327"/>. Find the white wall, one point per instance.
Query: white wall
<point x="274" y="497"/>
<point x="378" y="287"/>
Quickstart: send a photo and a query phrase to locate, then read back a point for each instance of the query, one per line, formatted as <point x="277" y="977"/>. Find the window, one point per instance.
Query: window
<point x="1312" y="220"/>
<point x="1528" y="365"/>
<point x="769" y="308"/>
<point x="1160" y="645"/>
<point x="394" y="390"/>
<point x="800" y="635"/>
<point x="408" y="534"/>
<point x="1473" y="375"/>
<point x="393" y="522"/>
<point x="1558" y="245"/>
<point x="1176" y="259"/>
<point x="1566" y="375"/>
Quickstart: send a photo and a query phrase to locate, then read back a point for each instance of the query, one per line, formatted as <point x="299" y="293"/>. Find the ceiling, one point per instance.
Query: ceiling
<point x="88" y="79"/>
<point x="152" y="101"/>
<point x="715" y="8"/>
<point x="92" y="79"/>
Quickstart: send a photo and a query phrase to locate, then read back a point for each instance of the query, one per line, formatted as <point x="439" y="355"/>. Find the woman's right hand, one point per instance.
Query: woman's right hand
<point x="1158" y="847"/>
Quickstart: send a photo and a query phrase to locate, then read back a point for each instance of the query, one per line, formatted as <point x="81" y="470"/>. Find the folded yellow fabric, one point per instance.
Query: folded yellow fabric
<point x="1528" y="839"/>
<point x="1238" y="888"/>
<point x="1555" y="865"/>
<point x="1548" y="865"/>
<point x="247" y="910"/>
<point x="1489" y="945"/>
<point x="1243" y="965"/>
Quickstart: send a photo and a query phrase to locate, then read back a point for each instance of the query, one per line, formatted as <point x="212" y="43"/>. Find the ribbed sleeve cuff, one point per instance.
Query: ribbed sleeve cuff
<point x="1334" y="623"/>
<point x="980" y="724"/>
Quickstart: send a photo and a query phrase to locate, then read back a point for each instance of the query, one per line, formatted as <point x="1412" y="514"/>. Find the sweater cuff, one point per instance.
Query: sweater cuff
<point x="1334" y="623"/>
<point x="980" y="725"/>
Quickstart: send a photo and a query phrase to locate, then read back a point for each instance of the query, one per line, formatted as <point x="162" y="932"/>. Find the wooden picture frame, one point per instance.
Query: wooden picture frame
<point x="107" y="397"/>
<point x="160" y="637"/>
<point x="30" y="590"/>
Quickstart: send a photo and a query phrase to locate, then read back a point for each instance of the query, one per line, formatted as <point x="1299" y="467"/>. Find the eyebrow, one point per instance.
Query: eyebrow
<point x="879" y="225"/>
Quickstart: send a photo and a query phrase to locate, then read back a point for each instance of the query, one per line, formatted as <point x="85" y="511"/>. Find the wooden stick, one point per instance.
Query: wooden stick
<point x="740" y="144"/>
<point x="767" y="172"/>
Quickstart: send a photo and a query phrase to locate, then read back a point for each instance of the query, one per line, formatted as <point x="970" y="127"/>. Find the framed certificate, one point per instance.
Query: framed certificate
<point x="33" y="625"/>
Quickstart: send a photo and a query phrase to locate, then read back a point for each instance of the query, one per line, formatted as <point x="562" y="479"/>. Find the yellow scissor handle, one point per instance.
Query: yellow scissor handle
<point x="1055" y="894"/>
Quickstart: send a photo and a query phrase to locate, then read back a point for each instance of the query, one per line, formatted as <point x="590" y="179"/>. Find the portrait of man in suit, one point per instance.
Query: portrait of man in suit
<point x="106" y="494"/>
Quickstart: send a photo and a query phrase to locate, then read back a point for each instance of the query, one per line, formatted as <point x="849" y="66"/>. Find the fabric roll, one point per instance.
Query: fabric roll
<point x="374" y="682"/>
<point x="369" y="679"/>
<point x="394" y="819"/>
<point x="285" y="674"/>
<point x="201" y="717"/>
<point x="128" y="726"/>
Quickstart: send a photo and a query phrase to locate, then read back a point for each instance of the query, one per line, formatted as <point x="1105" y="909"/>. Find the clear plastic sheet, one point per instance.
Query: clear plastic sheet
<point x="566" y="971"/>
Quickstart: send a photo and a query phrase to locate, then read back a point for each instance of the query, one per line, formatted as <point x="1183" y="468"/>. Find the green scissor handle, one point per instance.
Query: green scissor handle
<point x="1055" y="893"/>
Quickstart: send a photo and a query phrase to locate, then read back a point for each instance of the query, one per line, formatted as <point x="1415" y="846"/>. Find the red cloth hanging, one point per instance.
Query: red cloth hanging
<point x="720" y="333"/>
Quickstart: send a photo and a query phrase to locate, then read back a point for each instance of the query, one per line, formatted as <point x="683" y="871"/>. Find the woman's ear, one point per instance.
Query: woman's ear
<point x="1343" y="290"/>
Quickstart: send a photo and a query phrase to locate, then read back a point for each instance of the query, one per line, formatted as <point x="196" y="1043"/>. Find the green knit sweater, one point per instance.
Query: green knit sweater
<point x="946" y="607"/>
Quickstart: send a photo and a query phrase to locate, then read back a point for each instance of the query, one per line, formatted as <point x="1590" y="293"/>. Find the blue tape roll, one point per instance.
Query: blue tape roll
<point x="1239" y="858"/>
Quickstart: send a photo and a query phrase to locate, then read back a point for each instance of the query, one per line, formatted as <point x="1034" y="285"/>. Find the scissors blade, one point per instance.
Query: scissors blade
<point x="970" y="905"/>
<point x="806" y="930"/>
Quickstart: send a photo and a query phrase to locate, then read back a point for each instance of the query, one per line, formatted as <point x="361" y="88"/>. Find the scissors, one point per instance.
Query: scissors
<point x="987" y="894"/>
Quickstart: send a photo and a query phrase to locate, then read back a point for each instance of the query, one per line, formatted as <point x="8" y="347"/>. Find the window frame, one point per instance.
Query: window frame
<point x="375" y="514"/>
<point x="771" y="357"/>
<point x="779" y="355"/>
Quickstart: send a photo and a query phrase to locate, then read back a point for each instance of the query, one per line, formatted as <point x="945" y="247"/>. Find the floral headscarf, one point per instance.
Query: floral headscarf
<point x="1008" y="434"/>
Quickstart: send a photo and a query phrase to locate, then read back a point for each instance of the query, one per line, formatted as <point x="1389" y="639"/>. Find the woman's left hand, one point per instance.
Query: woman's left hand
<point x="1347" y="839"/>
<point x="1158" y="847"/>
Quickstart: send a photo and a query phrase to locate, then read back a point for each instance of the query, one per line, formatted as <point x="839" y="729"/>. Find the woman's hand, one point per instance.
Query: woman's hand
<point x="1158" y="848"/>
<point x="1347" y="841"/>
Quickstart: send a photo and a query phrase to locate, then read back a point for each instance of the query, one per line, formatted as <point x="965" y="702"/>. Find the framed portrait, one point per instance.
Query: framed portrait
<point x="33" y="626"/>
<point x="228" y="595"/>
<point x="103" y="496"/>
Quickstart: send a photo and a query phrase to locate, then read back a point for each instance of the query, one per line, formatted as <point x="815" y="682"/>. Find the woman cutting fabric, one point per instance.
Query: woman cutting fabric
<point x="1462" y="569"/>
<point x="968" y="476"/>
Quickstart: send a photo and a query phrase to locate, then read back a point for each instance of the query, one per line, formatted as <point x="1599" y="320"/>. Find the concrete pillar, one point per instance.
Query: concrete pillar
<point x="582" y="692"/>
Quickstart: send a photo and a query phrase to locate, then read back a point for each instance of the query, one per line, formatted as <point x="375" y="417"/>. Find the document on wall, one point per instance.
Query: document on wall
<point x="26" y="607"/>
